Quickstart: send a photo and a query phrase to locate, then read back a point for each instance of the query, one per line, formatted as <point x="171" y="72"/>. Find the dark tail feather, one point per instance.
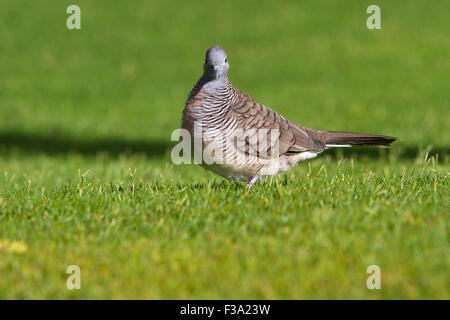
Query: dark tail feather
<point x="357" y="139"/>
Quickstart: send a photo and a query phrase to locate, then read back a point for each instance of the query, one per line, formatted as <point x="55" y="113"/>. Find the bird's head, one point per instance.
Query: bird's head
<point x="216" y="63"/>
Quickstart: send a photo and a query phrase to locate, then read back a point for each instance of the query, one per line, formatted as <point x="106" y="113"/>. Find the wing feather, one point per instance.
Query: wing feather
<point x="291" y="138"/>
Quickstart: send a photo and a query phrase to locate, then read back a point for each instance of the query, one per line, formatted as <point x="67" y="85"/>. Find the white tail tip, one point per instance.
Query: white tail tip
<point x="338" y="146"/>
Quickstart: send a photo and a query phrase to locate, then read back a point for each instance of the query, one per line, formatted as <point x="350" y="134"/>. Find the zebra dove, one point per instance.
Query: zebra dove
<point x="230" y="123"/>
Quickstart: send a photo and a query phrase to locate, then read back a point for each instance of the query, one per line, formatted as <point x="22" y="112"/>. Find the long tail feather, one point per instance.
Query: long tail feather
<point x="335" y="138"/>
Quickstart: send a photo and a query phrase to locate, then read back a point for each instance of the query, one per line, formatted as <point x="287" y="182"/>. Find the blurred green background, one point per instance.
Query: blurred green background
<point x="80" y="110"/>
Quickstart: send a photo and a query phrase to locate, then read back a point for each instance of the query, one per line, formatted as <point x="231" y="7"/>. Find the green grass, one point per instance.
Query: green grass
<point x="86" y="176"/>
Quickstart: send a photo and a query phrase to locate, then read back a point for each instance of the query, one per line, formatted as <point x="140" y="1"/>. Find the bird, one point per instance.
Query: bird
<point x="229" y="123"/>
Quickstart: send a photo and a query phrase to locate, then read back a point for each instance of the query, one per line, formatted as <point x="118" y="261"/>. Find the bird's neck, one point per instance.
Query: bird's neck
<point x="212" y="94"/>
<point x="206" y="80"/>
<point x="215" y="84"/>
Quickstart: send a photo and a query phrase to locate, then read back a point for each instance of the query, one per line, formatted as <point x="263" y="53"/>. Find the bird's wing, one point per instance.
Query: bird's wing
<point x="261" y="124"/>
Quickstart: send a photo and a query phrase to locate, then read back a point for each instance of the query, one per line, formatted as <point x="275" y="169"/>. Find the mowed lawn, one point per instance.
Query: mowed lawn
<point x="86" y="176"/>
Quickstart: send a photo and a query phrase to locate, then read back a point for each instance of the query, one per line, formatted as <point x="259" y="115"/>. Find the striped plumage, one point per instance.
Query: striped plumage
<point x="226" y="115"/>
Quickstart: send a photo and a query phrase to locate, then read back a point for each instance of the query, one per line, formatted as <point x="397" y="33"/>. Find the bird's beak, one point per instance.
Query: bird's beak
<point x="216" y="71"/>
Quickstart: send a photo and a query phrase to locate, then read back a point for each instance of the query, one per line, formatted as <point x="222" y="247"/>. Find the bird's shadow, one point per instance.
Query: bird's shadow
<point x="60" y="143"/>
<point x="57" y="143"/>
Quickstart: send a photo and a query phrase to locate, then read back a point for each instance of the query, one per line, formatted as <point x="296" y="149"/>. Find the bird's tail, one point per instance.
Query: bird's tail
<point x="347" y="139"/>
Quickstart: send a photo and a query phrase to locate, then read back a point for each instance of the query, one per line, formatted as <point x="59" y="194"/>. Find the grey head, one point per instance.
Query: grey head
<point x="216" y="64"/>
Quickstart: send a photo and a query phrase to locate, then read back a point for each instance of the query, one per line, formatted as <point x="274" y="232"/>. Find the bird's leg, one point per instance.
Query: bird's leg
<point x="251" y="182"/>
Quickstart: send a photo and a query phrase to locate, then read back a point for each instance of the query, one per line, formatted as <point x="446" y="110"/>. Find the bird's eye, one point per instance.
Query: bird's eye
<point x="226" y="60"/>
